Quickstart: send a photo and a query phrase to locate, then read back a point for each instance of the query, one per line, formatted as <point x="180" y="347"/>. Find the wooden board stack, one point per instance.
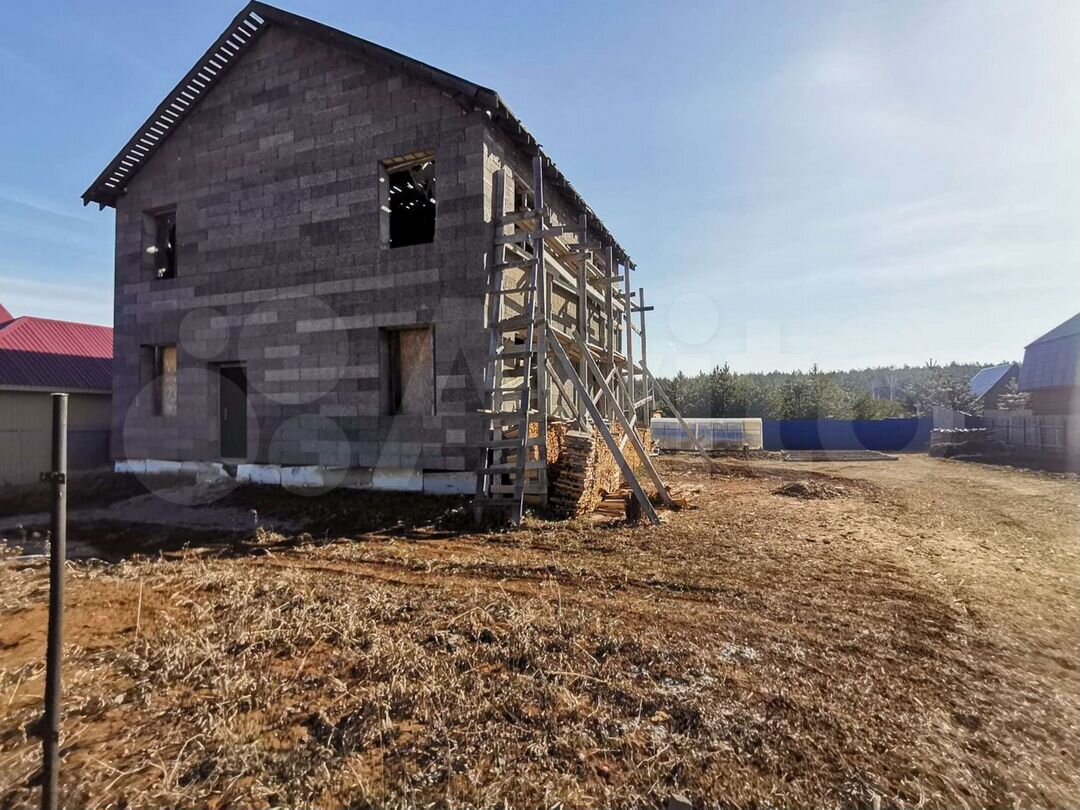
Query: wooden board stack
<point x="583" y="469"/>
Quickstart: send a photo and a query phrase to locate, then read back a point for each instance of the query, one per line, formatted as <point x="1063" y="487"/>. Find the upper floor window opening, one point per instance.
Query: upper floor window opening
<point x="408" y="200"/>
<point x="162" y="250"/>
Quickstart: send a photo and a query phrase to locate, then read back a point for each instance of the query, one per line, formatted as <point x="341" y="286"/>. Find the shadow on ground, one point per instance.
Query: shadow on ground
<point x="114" y="517"/>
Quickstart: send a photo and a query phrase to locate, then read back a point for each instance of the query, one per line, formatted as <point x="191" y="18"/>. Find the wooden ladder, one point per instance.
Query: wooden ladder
<point x="506" y="474"/>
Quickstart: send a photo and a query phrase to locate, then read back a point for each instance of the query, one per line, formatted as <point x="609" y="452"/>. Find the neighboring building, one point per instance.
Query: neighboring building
<point x="305" y="234"/>
<point x="990" y="383"/>
<point x="37" y="358"/>
<point x="1050" y="369"/>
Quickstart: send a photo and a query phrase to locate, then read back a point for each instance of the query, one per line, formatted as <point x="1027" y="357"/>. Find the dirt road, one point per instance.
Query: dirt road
<point x="1006" y="541"/>
<point x="897" y="634"/>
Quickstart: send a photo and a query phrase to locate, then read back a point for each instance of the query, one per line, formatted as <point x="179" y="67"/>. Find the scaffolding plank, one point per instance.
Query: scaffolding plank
<point x="518" y="264"/>
<point x="514" y="324"/>
<point x="525" y="237"/>
<point x="518" y="216"/>
<point x="512" y="444"/>
<point x="505" y="416"/>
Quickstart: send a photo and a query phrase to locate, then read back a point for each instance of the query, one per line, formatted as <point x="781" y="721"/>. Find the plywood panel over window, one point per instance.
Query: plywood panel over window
<point x="410" y="372"/>
<point x="161" y="363"/>
<point x="168" y="380"/>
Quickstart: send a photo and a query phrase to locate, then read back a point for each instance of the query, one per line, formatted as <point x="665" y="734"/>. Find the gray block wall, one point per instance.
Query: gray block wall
<point x="275" y="177"/>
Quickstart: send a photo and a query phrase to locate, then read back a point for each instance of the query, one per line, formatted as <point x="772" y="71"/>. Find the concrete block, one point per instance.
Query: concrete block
<point x="333" y="476"/>
<point x="259" y="474"/>
<point x="202" y="469"/>
<point x="357" y="478"/>
<point x="449" y="483"/>
<point x="301" y="477"/>
<point x="130" y="465"/>
<point x="156" y="466"/>
<point x="397" y="480"/>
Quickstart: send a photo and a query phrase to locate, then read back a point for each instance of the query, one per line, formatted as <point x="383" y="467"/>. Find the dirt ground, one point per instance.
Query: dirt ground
<point x="867" y="635"/>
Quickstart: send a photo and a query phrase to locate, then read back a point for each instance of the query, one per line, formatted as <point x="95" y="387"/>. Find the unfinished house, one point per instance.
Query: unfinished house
<point x="336" y="265"/>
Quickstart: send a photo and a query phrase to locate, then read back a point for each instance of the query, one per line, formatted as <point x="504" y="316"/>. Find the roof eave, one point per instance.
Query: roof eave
<point x="49" y="389"/>
<point x="99" y="191"/>
<point x="469" y="94"/>
<point x="511" y="124"/>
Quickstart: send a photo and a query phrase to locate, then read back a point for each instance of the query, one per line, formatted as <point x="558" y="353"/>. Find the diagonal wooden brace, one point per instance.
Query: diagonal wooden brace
<point x="686" y="428"/>
<point x="635" y="440"/>
<point x="601" y="425"/>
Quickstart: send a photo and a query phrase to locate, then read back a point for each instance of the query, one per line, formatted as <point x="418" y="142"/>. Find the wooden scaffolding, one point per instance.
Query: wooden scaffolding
<point x="561" y="314"/>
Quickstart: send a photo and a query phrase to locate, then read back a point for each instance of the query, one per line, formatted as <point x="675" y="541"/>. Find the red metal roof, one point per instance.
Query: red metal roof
<point x="42" y="353"/>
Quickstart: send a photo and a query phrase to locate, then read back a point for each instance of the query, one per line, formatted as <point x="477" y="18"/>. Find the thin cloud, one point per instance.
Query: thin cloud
<point x="72" y="209"/>
<point x="59" y="300"/>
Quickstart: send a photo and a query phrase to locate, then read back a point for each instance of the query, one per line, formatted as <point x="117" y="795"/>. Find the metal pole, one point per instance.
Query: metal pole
<point x="583" y="314"/>
<point x="609" y="310"/>
<point x="543" y="290"/>
<point x="55" y="651"/>
<point x="642" y="309"/>
<point x="628" y="348"/>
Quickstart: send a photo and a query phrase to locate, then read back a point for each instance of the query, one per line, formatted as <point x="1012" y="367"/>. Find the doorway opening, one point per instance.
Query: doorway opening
<point x="232" y="411"/>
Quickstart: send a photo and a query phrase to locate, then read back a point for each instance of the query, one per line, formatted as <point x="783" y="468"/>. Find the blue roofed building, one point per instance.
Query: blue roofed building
<point x="990" y="383"/>
<point x="1050" y="370"/>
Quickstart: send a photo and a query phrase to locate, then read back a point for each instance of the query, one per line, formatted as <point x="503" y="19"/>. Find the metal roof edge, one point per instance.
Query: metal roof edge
<point x="52" y="389"/>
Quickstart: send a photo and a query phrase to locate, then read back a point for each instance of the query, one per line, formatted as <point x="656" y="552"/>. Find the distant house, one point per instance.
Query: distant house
<point x="38" y="357"/>
<point x="990" y="383"/>
<point x="1050" y="370"/>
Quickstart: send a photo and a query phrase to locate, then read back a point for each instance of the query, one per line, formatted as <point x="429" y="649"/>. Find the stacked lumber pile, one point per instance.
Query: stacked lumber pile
<point x="582" y="469"/>
<point x="574" y="486"/>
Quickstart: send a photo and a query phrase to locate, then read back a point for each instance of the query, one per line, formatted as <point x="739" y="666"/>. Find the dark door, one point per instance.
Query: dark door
<point x="233" y="412"/>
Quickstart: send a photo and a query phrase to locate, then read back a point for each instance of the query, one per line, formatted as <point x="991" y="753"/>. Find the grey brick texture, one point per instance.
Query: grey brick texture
<point x="275" y="179"/>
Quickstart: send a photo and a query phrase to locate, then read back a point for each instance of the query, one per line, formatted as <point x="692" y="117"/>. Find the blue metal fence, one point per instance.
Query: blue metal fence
<point x="845" y="434"/>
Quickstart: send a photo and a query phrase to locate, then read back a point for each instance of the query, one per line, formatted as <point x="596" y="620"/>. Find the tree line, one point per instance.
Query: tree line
<point x="871" y="393"/>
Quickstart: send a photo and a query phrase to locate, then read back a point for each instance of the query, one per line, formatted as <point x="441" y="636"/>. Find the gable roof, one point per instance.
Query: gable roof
<point x="987" y="378"/>
<point x="1053" y="361"/>
<point x="61" y="355"/>
<point x="5" y="316"/>
<point x="237" y="38"/>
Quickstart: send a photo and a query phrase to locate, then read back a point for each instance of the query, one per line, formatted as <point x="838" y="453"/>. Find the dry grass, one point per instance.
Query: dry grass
<point x="757" y="652"/>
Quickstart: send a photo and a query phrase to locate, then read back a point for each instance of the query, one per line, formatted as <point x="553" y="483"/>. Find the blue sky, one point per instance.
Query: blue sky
<point x="849" y="184"/>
